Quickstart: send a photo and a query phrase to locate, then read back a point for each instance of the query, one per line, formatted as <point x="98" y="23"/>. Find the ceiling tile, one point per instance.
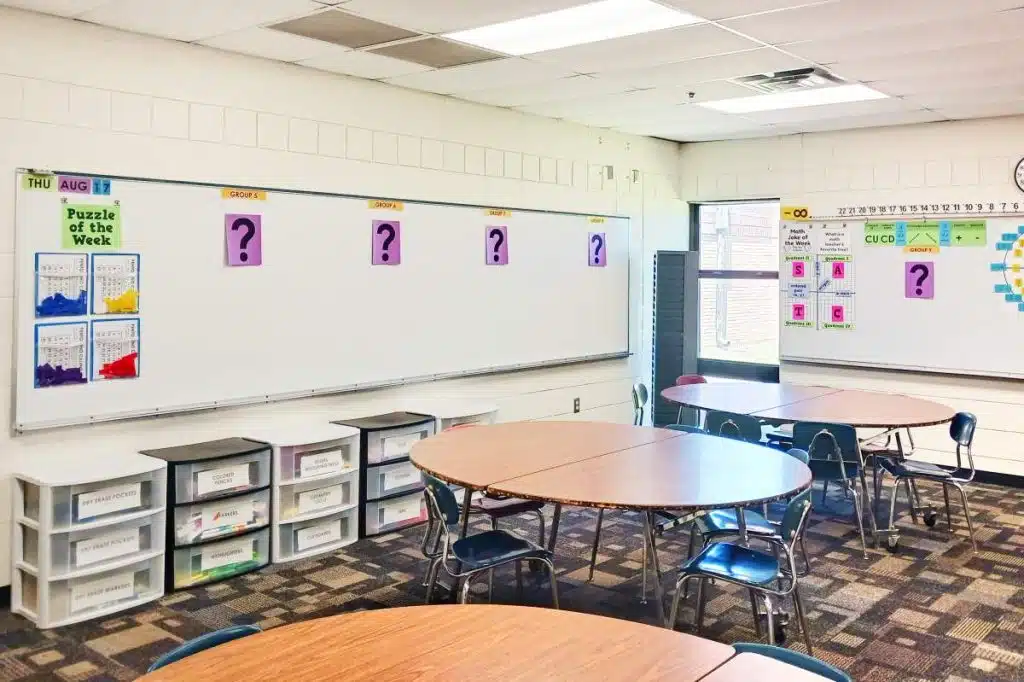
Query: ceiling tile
<point x="648" y="49"/>
<point x="938" y="63"/>
<point x="944" y="99"/>
<point x="610" y="110"/>
<point x="191" y="20"/>
<point x="64" y="8"/>
<point x="362" y="64"/>
<point x="727" y="9"/>
<point x="442" y="16"/>
<point x="1009" y="77"/>
<point x="721" y="67"/>
<point x="548" y="91"/>
<point x="340" y="28"/>
<point x="510" y="72"/>
<point x="436" y="53"/>
<point x="708" y="92"/>
<point x="263" y="42"/>
<point x="849" y="109"/>
<point x="870" y="121"/>
<point x="970" y="110"/>
<point x="682" y="129"/>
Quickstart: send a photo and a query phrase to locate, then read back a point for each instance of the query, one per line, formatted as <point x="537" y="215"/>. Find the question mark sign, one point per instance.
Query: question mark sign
<point x="500" y="239"/>
<point x="597" y="251"/>
<point x="250" y="232"/>
<point x="381" y="229"/>
<point x="923" y="270"/>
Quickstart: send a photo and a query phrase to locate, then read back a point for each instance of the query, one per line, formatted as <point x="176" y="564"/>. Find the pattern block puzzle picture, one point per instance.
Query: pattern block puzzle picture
<point x="61" y="282"/>
<point x="115" y="283"/>
<point x="60" y="354"/>
<point x="115" y="349"/>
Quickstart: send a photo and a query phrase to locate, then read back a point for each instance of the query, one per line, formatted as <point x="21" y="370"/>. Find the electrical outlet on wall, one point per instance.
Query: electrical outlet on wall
<point x="575" y="405"/>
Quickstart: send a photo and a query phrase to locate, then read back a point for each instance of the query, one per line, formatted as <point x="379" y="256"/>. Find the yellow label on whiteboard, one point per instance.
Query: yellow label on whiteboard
<point x="595" y="220"/>
<point x="498" y="212"/>
<point x="42" y="183"/>
<point x="920" y="249"/>
<point x="385" y="205"/>
<point x="251" y="194"/>
<point x="796" y="213"/>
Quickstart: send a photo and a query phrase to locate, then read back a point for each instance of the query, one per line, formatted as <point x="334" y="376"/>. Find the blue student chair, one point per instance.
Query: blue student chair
<point x="961" y="430"/>
<point x="796" y="659"/>
<point x="730" y="425"/>
<point x="204" y="642"/>
<point x="478" y="553"/>
<point x="765" y="574"/>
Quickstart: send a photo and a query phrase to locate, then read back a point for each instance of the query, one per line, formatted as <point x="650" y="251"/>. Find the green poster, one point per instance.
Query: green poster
<point x="967" y="233"/>
<point x="923" y="233"/>
<point x="91" y="227"/>
<point x="879" y="234"/>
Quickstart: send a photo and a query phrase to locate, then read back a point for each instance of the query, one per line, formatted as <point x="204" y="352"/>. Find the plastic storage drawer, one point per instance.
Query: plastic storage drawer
<point x="321" y="460"/>
<point x="306" y="538"/>
<point x="220" y="518"/>
<point x="96" y="502"/>
<point x="91" y="549"/>
<point x="385" y="446"/>
<point x="86" y="597"/>
<point x="222" y="559"/>
<point x="389" y="515"/>
<point x="391" y="479"/>
<point x="209" y="479"/>
<point x="317" y="497"/>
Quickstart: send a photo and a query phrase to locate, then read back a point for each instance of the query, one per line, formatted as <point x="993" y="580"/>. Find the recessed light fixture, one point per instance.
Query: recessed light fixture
<point x="796" y="98"/>
<point x="575" y="26"/>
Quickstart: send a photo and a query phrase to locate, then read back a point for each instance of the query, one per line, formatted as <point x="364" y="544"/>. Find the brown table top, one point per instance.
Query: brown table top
<point x="741" y="397"/>
<point x="745" y="667"/>
<point x="692" y="472"/>
<point x="450" y="643"/>
<point x="865" y="409"/>
<point x="479" y="456"/>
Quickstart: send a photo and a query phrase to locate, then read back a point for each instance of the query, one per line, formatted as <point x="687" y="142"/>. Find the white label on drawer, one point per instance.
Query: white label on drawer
<point x="398" y="446"/>
<point x="400" y="477"/>
<point x="224" y="478"/>
<point x="106" y="546"/>
<point x="320" y="534"/>
<point x="321" y="498"/>
<point x="224" y="553"/>
<point x="109" y="500"/>
<point x="400" y="510"/>
<point x="321" y="463"/>
<point x="231" y="513"/>
<point x="102" y="591"/>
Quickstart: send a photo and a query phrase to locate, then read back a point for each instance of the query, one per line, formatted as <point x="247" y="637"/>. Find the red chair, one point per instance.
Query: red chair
<point x="687" y="380"/>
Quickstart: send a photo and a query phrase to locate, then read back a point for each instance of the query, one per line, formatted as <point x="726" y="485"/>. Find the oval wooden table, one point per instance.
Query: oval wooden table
<point x="596" y="464"/>
<point x="455" y="644"/>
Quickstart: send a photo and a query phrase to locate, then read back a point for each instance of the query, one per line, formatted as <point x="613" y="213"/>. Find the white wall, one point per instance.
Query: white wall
<point x="957" y="161"/>
<point x="82" y="98"/>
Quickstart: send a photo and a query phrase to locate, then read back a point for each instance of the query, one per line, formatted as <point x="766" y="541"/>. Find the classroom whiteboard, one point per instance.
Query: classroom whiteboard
<point x="924" y="294"/>
<point x="315" y="315"/>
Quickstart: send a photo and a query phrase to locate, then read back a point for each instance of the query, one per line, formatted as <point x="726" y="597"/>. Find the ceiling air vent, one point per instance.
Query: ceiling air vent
<point x="787" y="81"/>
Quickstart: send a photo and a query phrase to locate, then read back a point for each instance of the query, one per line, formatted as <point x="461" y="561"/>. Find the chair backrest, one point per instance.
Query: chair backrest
<point x="738" y="426"/>
<point x="204" y="642"/>
<point x="795" y="516"/>
<point x="827" y="441"/>
<point x="441" y="500"/>
<point x="685" y="428"/>
<point x="690" y="379"/>
<point x="799" y="454"/>
<point x="640" y="397"/>
<point x="794" y="658"/>
<point x="461" y="426"/>
<point x="961" y="429"/>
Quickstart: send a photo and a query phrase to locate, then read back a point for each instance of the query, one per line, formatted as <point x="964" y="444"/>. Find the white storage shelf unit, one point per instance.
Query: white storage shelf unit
<point x="316" y="488"/>
<point x="88" y="534"/>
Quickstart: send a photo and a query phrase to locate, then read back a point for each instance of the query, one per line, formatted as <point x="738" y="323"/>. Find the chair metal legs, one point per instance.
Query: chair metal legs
<point x="798" y="606"/>
<point x="859" y="511"/>
<point x="554" y="582"/>
<point x="945" y="494"/>
<point x="597" y="541"/>
<point x="769" y="618"/>
<point x="466" y="581"/>
<point x="432" y="571"/>
<point x="967" y="513"/>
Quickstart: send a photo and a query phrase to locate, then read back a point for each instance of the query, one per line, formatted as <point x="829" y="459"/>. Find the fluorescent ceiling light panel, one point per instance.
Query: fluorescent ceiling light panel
<point x="588" y="23"/>
<point x="794" y="99"/>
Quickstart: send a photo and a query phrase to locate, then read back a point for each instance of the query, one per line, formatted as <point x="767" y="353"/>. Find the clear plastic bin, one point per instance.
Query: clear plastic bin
<point x="307" y="538"/>
<point x="318" y="497"/>
<point x="78" y="598"/>
<point x="389" y="515"/>
<point x="319" y="460"/>
<point x="390" y="479"/>
<point x="220" y="560"/>
<point x="94" y="502"/>
<point x="90" y="549"/>
<point x="221" y="518"/>
<point x="209" y="479"/>
<point x="384" y="446"/>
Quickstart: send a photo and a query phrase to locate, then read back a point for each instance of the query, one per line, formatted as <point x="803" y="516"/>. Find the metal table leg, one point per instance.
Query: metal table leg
<point x="652" y="550"/>
<point x="556" y="516"/>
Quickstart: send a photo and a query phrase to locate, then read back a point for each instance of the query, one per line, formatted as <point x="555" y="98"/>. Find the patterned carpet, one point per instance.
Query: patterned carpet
<point x="935" y="611"/>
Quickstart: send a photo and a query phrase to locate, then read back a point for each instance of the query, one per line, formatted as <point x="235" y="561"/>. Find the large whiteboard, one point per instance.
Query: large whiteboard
<point x="972" y="324"/>
<point x="316" y="316"/>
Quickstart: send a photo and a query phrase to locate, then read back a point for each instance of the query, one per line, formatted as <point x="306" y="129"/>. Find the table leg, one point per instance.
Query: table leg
<point x="652" y="550"/>
<point x="912" y="497"/>
<point x="556" y="516"/>
<point x="741" y="523"/>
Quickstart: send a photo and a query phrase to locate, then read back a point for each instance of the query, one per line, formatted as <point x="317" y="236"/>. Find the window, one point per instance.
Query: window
<point x="739" y="288"/>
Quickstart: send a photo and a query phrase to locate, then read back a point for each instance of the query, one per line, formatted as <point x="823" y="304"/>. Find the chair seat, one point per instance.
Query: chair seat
<point x="506" y="506"/>
<point x="724" y="521"/>
<point x="494" y="547"/>
<point x="732" y="562"/>
<point x="909" y="468"/>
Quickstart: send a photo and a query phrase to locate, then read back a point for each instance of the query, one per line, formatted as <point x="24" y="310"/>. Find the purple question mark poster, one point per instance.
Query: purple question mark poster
<point x="243" y="234"/>
<point x="387" y="242"/>
<point x="596" y="245"/>
<point x="496" y="245"/>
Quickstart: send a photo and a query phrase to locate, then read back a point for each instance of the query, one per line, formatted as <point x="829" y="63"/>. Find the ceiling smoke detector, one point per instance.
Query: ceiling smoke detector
<point x="788" y="81"/>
